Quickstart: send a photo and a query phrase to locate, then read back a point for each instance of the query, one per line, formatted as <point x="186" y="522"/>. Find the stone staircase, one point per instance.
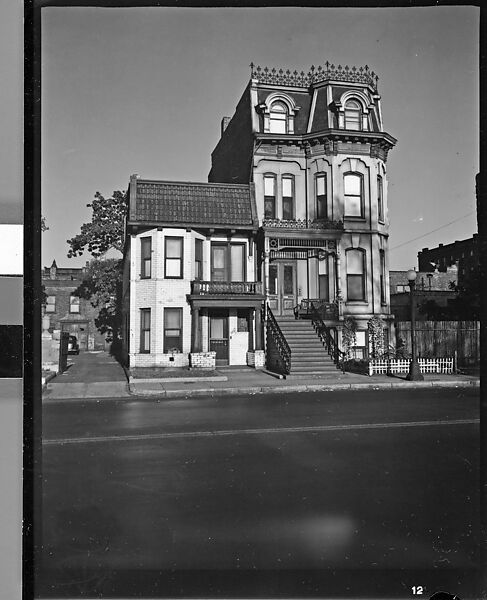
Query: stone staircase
<point x="308" y="355"/>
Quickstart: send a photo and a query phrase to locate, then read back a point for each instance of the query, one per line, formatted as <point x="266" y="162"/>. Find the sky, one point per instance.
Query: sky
<point x="143" y="90"/>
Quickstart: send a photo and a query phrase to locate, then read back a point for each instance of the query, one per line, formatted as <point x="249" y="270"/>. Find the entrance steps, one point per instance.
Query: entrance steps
<point x="308" y="355"/>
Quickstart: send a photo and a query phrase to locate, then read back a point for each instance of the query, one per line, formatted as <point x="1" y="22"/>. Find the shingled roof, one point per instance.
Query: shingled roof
<point x="185" y="203"/>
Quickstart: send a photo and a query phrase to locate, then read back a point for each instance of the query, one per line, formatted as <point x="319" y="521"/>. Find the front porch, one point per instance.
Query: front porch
<point x="226" y="324"/>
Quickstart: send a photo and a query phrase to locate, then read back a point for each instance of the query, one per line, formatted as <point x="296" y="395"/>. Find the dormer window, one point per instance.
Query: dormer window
<point x="353" y="115"/>
<point x="278" y="118"/>
<point x="278" y="113"/>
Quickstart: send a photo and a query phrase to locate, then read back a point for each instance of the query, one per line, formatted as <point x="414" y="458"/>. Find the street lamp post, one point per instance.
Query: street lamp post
<point x="414" y="370"/>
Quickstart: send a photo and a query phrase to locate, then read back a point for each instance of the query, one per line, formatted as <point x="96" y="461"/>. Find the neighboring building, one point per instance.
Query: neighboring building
<point x="68" y="312"/>
<point x="312" y="150"/>
<point x="463" y="253"/>
<point x="435" y="287"/>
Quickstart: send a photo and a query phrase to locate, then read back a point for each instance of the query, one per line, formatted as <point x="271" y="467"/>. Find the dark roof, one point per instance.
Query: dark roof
<point x="185" y="203"/>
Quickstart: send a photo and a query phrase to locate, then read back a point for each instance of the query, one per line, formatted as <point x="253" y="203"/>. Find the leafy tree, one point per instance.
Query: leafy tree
<point x="102" y="284"/>
<point x="106" y="228"/>
<point x="44" y="226"/>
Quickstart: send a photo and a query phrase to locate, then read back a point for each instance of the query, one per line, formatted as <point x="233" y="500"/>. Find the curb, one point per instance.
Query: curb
<point x="235" y="391"/>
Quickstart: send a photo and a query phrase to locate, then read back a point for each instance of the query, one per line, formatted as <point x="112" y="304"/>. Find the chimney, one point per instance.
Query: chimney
<point x="224" y="123"/>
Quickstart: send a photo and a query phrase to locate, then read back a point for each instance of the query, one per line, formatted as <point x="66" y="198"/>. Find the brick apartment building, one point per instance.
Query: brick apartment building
<point x="68" y="312"/>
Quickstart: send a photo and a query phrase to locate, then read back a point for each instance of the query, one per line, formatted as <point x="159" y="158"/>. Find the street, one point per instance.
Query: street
<point x="313" y="493"/>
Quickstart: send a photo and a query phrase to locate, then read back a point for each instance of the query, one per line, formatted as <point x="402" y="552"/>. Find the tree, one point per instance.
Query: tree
<point x="102" y="284"/>
<point x="44" y="226"/>
<point x="106" y="228"/>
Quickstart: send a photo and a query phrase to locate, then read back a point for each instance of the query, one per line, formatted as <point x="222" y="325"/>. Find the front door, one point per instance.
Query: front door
<point x="80" y="330"/>
<point x="282" y="287"/>
<point x="219" y="337"/>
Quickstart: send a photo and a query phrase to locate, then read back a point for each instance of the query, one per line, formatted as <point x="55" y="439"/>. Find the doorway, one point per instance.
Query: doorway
<point x="219" y="337"/>
<point x="282" y="287"/>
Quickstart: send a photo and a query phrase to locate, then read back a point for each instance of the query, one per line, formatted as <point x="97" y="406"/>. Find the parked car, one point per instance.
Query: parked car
<point x="73" y="346"/>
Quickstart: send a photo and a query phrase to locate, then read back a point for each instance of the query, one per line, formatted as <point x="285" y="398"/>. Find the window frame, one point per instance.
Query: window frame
<point x="71" y="304"/>
<point x="347" y="111"/>
<point x="271" y="177"/>
<point x="323" y="213"/>
<point x="291" y="178"/>
<point x="228" y="268"/>
<point x="380" y="199"/>
<point x="198" y="259"/>
<point x="284" y="119"/>
<point x="145" y="257"/>
<point x="360" y="196"/>
<point x="354" y="276"/>
<point x="180" y="258"/>
<point x="144" y="329"/>
<point x="50" y="304"/>
<point x="382" y="266"/>
<point x="168" y="346"/>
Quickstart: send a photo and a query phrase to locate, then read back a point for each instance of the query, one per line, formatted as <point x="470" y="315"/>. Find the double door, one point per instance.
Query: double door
<point x="282" y="287"/>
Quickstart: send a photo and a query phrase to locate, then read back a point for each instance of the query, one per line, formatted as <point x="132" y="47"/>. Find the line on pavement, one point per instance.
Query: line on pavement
<point x="260" y="431"/>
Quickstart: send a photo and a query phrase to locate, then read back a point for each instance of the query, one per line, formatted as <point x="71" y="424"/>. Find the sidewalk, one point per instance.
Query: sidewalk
<point x="246" y="380"/>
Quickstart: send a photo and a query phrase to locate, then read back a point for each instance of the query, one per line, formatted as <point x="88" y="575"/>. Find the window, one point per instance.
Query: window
<point x="355" y="274"/>
<point x="380" y="199"/>
<point x="73" y="304"/>
<point x="288" y="197"/>
<point x="321" y="203"/>
<point x="145" y="257"/>
<point x="51" y="304"/>
<point x="145" y="330"/>
<point x="227" y="262"/>
<point x="353" y="115"/>
<point x="269" y="196"/>
<point x="323" y="286"/>
<point x="382" y="257"/>
<point x="278" y="118"/>
<point x="352" y="183"/>
<point x="360" y="347"/>
<point x="273" y="279"/>
<point x="173" y="339"/>
<point x="242" y="320"/>
<point x="198" y="259"/>
<point x="174" y="258"/>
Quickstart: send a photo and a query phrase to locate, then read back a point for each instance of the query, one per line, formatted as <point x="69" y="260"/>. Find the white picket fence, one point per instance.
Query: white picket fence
<point x="426" y="365"/>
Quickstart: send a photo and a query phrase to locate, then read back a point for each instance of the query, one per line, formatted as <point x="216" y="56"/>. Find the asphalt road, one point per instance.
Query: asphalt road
<point x="312" y="494"/>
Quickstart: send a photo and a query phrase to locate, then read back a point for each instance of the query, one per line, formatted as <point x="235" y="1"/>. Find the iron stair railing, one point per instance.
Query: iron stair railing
<point x="279" y="340"/>
<point x="327" y="338"/>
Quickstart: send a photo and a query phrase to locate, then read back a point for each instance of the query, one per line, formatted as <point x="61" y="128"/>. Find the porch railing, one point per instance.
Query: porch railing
<point x="327" y="337"/>
<point x="278" y="339"/>
<point x="226" y="287"/>
<point x="327" y="310"/>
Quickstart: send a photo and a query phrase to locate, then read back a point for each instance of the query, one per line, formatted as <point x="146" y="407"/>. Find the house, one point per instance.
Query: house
<point x="434" y="287"/>
<point x="310" y="151"/>
<point x="462" y="253"/>
<point x="68" y="312"/>
<point x="191" y="291"/>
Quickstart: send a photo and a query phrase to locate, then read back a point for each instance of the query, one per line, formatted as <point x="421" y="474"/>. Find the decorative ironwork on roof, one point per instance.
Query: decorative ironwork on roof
<point x="348" y="74"/>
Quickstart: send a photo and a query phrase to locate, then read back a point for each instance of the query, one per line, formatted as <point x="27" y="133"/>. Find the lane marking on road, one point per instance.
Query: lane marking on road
<point x="260" y="431"/>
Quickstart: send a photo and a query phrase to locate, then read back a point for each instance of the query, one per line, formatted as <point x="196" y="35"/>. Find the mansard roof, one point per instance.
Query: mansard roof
<point x="192" y="204"/>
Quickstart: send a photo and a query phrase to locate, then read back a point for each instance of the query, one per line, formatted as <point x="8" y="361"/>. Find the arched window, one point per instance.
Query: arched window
<point x="355" y="273"/>
<point x="269" y="196"/>
<point x="288" y="197"/>
<point x="354" y="197"/>
<point x="353" y="115"/>
<point x="278" y="117"/>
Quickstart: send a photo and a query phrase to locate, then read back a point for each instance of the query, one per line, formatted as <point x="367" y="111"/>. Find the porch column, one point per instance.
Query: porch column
<point x="258" y="330"/>
<point x="195" y="331"/>
<point x="266" y="274"/>
<point x="251" y="330"/>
